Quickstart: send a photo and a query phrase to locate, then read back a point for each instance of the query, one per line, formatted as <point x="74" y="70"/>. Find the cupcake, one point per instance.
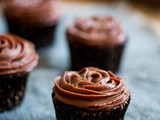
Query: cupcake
<point x="96" y="41"/>
<point x="34" y="20"/>
<point x="90" y="94"/>
<point x="17" y="60"/>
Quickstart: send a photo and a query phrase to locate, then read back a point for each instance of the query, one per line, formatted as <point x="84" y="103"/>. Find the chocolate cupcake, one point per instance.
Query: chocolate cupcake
<point x="34" y="20"/>
<point x="90" y="94"/>
<point x="17" y="59"/>
<point x="96" y="41"/>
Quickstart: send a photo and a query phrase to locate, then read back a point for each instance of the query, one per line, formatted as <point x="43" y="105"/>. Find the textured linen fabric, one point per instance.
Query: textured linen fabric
<point x="140" y="67"/>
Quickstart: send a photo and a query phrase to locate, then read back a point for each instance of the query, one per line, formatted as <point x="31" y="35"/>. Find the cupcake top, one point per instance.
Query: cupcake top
<point x="97" y="30"/>
<point x="33" y="11"/>
<point x="16" y="55"/>
<point x="91" y="88"/>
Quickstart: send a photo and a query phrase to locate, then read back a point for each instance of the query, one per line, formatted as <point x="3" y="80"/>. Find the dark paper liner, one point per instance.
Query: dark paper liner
<point x="68" y="112"/>
<point x="40" y="35"/>
<point x="103" y="58"/>
<point x="12" y="89"/>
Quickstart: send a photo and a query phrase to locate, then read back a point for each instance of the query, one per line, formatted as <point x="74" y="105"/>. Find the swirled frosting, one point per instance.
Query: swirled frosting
<point x="91" y="88"/>
<point x="16" y="55"/>
<point x="33" y="11"/>
<point x="97" y="30"/>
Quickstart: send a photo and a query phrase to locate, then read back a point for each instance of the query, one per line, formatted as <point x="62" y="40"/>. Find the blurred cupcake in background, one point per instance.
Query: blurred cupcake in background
<point x="96" y="41"/>
<point x="1" y="5"/>
<point x="34" y="20"/>
<point x="17" y="59"/>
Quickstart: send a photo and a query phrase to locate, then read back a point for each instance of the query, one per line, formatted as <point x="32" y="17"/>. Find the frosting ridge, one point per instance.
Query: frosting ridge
<point x="16" y="55"/>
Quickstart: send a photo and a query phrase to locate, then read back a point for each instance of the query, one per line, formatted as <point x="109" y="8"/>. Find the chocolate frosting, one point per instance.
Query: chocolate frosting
<point x="91" y="88"/>
<point x="16" y="55"/>
<point x="33" y="11"/>
<point x="97" y="30"/>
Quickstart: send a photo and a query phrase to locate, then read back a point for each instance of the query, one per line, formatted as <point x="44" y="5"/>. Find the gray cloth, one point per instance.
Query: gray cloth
<point x="140" y="67"/>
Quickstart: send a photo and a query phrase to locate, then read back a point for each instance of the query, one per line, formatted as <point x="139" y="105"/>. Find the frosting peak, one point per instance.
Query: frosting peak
<point x="91" y="88"/>
<point x="16" y="55"/>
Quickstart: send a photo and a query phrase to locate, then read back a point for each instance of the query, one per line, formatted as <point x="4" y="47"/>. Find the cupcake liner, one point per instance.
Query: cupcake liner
<point x="103" y="58"/>
<point x="68" y="112"/>
<point x="40" y="35"/>
<point x="12" y="89"/>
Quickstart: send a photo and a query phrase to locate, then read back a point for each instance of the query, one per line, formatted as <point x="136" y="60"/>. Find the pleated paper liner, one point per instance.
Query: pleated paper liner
<point x="68" y="112"/>
<point x="104" y="58"/>
<point x="12" y="90"/>
<point x="41" y="35"/>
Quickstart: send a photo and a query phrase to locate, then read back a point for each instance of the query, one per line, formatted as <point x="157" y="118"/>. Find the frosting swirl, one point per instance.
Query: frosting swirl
<point x="33" y="11"/>
<point x="16" y="55"/>
<point x="91" y="88"/>
<point x="103" y="31"/>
